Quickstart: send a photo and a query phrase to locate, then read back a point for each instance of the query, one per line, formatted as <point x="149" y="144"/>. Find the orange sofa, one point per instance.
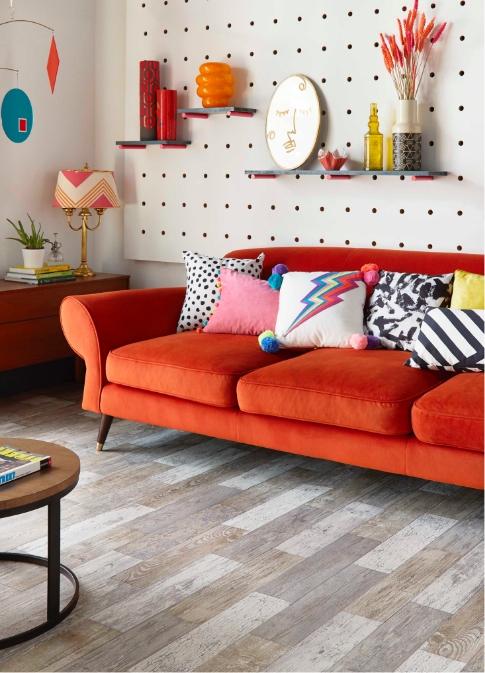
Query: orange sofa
<point x="357" y="407"/>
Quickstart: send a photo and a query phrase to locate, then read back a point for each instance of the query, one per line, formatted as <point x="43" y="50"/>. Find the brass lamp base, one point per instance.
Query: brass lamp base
<point x="84" y="271"/>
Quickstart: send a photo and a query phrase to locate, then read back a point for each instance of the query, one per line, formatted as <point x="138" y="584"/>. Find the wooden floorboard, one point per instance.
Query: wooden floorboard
<point x="197" y="554"/>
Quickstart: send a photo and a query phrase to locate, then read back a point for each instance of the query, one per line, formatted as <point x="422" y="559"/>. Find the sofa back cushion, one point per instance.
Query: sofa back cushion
<point x="348" y="259"/>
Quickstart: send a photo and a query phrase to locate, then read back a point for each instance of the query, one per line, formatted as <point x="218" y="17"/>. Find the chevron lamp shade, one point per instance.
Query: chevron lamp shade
<point x="86" y="189"/>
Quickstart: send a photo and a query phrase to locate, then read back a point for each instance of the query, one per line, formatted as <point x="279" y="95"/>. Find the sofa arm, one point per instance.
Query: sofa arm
<point x="95" y="324"/>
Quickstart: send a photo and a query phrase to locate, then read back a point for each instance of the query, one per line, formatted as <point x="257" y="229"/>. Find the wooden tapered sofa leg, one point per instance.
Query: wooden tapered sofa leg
<point x="104" y="428"/>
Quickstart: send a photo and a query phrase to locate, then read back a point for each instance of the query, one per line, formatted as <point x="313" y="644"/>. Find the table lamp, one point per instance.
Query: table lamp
<point x="85" y="189"/>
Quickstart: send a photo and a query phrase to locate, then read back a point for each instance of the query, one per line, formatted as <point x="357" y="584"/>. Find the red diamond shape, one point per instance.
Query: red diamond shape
<point x="53" y="64"/>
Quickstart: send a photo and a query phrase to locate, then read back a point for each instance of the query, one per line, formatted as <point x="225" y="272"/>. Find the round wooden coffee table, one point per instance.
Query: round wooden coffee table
<point x="43" y="489"/>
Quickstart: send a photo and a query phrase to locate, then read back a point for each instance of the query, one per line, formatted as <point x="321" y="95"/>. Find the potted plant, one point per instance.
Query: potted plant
<point x="34" y="251"/>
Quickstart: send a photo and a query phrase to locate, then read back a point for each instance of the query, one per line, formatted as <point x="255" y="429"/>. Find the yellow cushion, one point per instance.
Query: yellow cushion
<point x="467" y="291"/>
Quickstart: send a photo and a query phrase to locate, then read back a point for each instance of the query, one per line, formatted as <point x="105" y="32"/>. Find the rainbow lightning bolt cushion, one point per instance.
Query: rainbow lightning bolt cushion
<point x="320" y="309"/>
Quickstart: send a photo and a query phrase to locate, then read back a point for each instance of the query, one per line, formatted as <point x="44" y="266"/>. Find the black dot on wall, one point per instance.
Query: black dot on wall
<point x="227" y="175"/>
<point x="273" y="207"/>
<point x="402" y="211"/>
<point x="229" y="56"/>
<point x="204" y="235"/>
<point x="430" y="246"/>
<point x="350" y="13"/>
<point x="430" y="212"/>
<point x="186" y="30"/>
<point x="297" y="239"/>
<point x="145" y="33"/>
<point x="249" y="237"/>
<point x="431" y="74"/>
<point x="374" y="243"/>
<point x="251" y="84"/>
<point x="227" y="205"/>
<point x="462" y="72"/>
<point x="250" y="145"/>
<point x="347" y="210"/>
<point x="184" y="175"/>
<point x="376" y="77"/>
<point x="433" y="5"/>
<point x="297" y="207"/>
<point x="142" y="231"/>
<point x="143" y="175"/>
<point x="207" y="57"/>
<point x="349" y="79"/>
<point x="227" y="146"/>
<point x="376" y="11"/>
<point x="251" y="23"/>
<point x="323" y="80"/>
<point x="163" y="233"/>
<point x="297" y="177"/>
<point x="183" y="233"/>
<point x="226" y="236"/>
<point x="462" y="3"/>
<point x="272" y="238"/>
<point x="324" y="16"/>
<point x="275" y="83"/>
<point x="165" y="31"/>
<point x="207" y="27"/>
<point x="185" y="58"/>
<point x="349" y="144"/>
<point x="163" y="203"/>
<point x="165" y="60"/>
<point x="275" y="51"/>
<point x="184" y="205"/>
<point x="275" y="20"/>
<point x="229" y="25"/>
<point x="376" y="44"/>
<point x="374" y="210"/>
<point x="322" y="209"/>
<point x="401" y="245"/>
<point x="205" y="205"/>
<point x="374" y="177"/>
<point x="431" y="143"/>
<point x="460" y="213"/>
<point x="323" y="113"/>
<point x="460" y="143"/>
<point x="249" y="207"/>
<point x="143" y="4"/>
<point x="462" y="37"/>
<point x="349" y="112"/>
<point x="458" y="247"/>
<point x="461" y="108"/>
<point x="205" y="175"/>
<point x="299" y="50"/>
<point x="404" y="9"/>
<point x="402" y="177"/>
<point x="460" y="178"/>
<point x="322" y="240"/>
<point x="143" y="203"/>
<point x="431" y="109"/>
<point x="251" y="53"/>
<point x="349" y="46"/>
<point x="324" y="48"/>
<point x="347" y="242"/>
<point x="299" y="18"/>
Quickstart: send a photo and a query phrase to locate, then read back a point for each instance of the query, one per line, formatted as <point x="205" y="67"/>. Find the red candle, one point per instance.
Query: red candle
<point x="167" y="114"/>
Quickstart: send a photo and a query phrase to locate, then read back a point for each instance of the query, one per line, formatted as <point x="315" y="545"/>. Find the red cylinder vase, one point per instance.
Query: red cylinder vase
<point x="149" y="85"/>
<point x="167" y="114"/>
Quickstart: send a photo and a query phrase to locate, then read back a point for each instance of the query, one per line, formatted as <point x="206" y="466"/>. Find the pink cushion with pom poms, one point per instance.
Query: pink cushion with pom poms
<point x="247" y="306"/>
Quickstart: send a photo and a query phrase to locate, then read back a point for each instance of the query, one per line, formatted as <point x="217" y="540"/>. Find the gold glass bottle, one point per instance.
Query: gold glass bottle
<point x="373" y="143"/>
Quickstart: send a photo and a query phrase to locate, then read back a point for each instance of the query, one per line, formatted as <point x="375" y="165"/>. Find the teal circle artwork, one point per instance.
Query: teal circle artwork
<point x="17" y="116"/>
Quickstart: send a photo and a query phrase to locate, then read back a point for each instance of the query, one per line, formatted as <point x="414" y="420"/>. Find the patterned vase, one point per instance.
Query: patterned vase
<point x="406" y="137"/>
<point x="149" y="85"/>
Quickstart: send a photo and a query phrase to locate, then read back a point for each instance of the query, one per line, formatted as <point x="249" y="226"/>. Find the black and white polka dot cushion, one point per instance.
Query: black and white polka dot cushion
<point x="202" y="290"/>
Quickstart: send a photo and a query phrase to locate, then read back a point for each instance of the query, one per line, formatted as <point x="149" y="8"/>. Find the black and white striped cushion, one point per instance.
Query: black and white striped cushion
<point x="450" y="340"/>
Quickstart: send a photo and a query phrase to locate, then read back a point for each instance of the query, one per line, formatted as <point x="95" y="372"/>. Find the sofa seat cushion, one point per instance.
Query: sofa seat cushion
<point x="194" y="366"/>
<point x="364" y="390"/>
<point x="452" y="414"/>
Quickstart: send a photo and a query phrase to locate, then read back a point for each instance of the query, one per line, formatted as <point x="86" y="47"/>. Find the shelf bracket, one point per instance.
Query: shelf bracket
<point x="422" y="177"/>
<point x="239" y="114"/>
<point x="263" y="177"/>
<point x="132" y="147"/>
<point x="194" y="115"/>
<point x="338" y="177"/>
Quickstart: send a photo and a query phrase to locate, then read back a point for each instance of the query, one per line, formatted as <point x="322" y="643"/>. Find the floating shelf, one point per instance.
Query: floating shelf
<point x="143" y="144"/>
<point x="346" y="175"/>
<point x="203" y="113"/>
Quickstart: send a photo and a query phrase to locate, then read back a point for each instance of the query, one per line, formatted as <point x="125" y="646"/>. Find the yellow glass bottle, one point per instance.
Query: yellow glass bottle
<point x="373" y="143"/>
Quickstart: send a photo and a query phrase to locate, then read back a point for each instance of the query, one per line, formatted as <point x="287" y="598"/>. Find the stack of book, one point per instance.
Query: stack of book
<point x="47" y="274"/>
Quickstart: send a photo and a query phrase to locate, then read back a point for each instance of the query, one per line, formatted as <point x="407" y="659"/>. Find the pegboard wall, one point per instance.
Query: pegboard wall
<point x="200" y="199"/>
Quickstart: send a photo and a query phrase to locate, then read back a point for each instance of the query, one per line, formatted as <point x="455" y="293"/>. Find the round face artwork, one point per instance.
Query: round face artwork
<point x="293" y="122"/>
<point x="17" y="115"/>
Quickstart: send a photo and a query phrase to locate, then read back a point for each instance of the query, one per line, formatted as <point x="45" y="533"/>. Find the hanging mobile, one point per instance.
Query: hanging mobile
<point x="53" y="60"/>
<point x="17" y="114"/>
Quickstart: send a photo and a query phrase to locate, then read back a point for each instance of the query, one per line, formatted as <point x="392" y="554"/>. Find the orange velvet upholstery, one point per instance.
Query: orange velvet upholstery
<point x="452" y="414"/>
<point x="401" y="454"/>
<point x="195" y="366"/>
<point x="94" y="324"/>
<point x="444" y="463"/>
<point x="364" y="390"/>
<point x="350" y="259"/>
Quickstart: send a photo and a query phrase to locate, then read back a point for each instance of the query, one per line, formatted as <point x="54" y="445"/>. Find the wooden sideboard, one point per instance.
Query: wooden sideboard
<point x="30" y="329"/>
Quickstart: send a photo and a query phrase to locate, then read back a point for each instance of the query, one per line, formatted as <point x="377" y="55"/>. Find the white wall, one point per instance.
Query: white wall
<point x="63" y="132"/>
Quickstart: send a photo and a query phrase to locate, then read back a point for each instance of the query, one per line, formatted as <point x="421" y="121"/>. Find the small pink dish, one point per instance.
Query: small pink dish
<point x="332" y="161"/>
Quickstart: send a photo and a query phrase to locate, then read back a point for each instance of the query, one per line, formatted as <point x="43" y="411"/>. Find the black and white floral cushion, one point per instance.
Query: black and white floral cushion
<point x="202" y="290"/>
<point x="399" y="302"/>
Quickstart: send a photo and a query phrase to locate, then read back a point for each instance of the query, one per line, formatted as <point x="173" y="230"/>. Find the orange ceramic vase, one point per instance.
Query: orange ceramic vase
<point x="215" y="84"/>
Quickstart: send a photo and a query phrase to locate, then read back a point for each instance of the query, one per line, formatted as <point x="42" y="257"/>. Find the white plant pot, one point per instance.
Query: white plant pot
<point x="33" y="259"/>
<point x="406" y="137"/>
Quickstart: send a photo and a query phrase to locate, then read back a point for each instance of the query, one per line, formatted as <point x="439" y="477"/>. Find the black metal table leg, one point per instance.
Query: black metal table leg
<point x="54" y="571"/>
<point x="54" y="560"/>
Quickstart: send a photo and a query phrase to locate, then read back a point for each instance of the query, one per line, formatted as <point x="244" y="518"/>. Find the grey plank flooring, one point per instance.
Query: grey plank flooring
<point x="197" y="554"/>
